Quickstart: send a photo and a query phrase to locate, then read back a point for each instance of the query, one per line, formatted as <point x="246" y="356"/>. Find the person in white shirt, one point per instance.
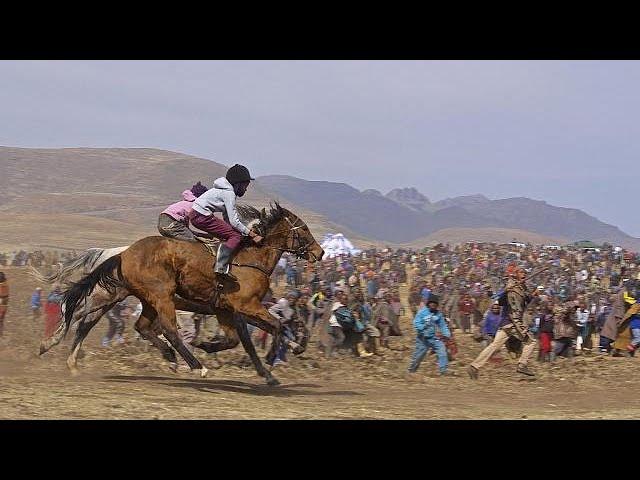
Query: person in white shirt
<point x="222" y="198"/>
<point x="336" y="334"/>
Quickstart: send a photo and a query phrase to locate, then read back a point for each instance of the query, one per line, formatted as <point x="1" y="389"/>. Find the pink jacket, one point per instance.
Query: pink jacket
<point x="180" y="210"/>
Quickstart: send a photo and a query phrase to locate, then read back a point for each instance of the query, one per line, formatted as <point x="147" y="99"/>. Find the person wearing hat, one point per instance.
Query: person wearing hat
<point x="222" y="198"/>
<point x="336" y="334"/>
<point x="173" y="222"/>
<point x="430" y="324"/>
<point x="516" y="301"/>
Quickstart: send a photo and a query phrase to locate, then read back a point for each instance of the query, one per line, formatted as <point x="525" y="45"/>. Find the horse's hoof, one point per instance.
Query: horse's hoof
<point x="43" y="349"/>
<point x="173" y="366"/>
<point x="272" y="381"/>
<point x="203" y="372"/>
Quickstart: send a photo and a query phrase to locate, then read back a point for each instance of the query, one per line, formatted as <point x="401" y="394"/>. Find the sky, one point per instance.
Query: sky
<point x="566" y="132"/>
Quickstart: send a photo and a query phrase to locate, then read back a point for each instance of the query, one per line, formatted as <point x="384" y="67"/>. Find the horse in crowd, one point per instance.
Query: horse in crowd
<point x="167" y="274"/>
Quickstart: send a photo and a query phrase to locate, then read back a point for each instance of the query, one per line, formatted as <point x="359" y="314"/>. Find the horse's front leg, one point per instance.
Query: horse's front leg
<point x="258" y="315"/>
<point x="249" y="347"/>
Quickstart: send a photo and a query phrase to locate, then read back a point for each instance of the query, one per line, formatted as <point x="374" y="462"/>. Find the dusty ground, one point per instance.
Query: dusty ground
<point x="133" y="382"/>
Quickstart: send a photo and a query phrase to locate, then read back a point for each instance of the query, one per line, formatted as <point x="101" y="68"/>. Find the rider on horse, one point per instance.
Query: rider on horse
<point x="222" y="198"/>
<point x="173" y="222"/>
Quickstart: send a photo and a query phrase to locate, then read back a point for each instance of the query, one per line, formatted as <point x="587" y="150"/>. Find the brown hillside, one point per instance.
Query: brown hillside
<point x="113" y="194"/>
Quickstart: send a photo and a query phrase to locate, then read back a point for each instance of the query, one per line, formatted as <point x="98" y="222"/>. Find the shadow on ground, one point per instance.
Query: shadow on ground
<point x="215" y="385"/>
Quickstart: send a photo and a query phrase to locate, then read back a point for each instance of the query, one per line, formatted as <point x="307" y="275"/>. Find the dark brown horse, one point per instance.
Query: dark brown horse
<point x="167" y="274"/>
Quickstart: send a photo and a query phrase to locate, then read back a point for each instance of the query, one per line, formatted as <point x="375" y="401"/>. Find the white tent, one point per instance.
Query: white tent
<point x="337" y="244"/>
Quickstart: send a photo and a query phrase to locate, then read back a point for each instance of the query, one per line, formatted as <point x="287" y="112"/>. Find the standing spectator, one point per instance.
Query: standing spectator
<point x="604" y="343"/>
<point x="116" y="324"/>
<point x="546" y="333"/>
<point x="383" y="317"/>
<point x="584" y="330"/>
<point x="336" y="335"/>
<point x="284" y="313"/>
<point x="4" y="300"/>
<point x="189" y="327"/>
<point x="317" y="305"/>
<point x="565" y="331"/>
<point x="425" y="292"/>
<point x="634" y="325"/>
<point x="53" y="311"/>
<point x="372" y="286"/>
<point x="466" y="307"/>
<point x="291" y="272"/>
<point x="36" y="303"/>
<point x="491" y="323"/>
<point x="303" y="312"/>
<point x="429" y="324"/>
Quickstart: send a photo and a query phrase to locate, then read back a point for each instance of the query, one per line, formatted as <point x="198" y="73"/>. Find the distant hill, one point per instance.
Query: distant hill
<point x="369" y="214"/>
<point x="74" y="189"/>
<point x="59" y="197"/>
<point x="411" y="198"/>
<point x="406" y="215"/>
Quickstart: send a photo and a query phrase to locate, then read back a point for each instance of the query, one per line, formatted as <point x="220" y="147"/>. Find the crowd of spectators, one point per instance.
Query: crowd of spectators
<point x="352" y="302"/>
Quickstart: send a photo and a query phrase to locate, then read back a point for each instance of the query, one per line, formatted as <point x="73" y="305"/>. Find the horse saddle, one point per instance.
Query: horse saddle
<point x="211" y="244"/>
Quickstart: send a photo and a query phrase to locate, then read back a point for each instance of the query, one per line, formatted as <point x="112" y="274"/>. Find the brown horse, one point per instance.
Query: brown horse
<point x="167" y="274"/>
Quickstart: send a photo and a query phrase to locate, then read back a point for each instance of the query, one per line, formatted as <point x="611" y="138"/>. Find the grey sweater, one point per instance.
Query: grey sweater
<point x="221" y="198"/>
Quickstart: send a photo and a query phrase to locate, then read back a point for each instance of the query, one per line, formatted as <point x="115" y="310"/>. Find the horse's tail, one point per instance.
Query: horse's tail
<point x="106" y="276"/>
<point x="84" y="262"/>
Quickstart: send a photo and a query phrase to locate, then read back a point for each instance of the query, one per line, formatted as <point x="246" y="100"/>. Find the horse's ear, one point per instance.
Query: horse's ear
<point x="263" y="214"/>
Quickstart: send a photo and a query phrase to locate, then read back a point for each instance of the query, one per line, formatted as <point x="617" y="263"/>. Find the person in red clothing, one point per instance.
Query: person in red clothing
<point x="53" y="311"/>
<point x="4" y="300"/>
<point x="466" y="307"/>
<point x="546" y="333"/>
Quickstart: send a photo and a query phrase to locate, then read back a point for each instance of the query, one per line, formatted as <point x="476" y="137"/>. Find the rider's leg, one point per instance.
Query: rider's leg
<point x="225" y="232"/>
<point x="172" y="228"/>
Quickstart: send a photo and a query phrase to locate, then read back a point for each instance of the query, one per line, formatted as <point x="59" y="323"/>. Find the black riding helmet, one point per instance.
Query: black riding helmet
<point x="238" y="174"/>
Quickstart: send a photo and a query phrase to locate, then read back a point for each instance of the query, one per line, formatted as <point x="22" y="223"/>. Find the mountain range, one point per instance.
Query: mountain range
<point x="404" y="214"/>
<point x="84" y="197"/>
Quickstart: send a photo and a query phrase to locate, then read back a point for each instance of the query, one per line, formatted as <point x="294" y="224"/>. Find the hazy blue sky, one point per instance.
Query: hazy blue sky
<point x="560" y="131"/>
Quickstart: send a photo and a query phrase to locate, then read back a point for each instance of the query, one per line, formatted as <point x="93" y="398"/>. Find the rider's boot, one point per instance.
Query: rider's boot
<point x="222" y="263"/>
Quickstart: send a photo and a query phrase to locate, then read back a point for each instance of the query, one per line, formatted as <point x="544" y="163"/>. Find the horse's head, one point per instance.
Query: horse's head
<point x="283" y="230"/>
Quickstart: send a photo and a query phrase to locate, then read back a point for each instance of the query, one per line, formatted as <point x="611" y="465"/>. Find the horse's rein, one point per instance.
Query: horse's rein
<point x="301" y="250"/>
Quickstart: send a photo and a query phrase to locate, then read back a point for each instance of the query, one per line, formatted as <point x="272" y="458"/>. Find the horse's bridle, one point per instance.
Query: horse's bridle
<point x="298" y="250"/>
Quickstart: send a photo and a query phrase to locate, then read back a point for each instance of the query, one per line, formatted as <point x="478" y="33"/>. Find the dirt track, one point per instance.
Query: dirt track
<point x="133" y="382"/>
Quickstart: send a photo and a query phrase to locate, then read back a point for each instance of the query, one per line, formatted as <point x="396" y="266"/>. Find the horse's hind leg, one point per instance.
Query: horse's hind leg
<point x="166" y="311"/>
<point x="48" y="343"/>
<point x="144" y="327"/>
<point x="95" y="307"/>
<point x="230" y="339"/>
<point x="84" y="327"/>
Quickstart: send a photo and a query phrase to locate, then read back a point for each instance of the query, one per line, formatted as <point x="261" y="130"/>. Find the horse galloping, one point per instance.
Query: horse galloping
<point x="165" y="274"/>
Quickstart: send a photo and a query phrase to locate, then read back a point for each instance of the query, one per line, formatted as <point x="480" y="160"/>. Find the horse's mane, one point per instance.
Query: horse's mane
<point x="262" y="219"/>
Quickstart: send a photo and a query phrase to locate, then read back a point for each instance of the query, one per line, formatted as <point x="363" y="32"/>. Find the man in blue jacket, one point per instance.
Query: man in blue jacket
<point x="429" y="324"/>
